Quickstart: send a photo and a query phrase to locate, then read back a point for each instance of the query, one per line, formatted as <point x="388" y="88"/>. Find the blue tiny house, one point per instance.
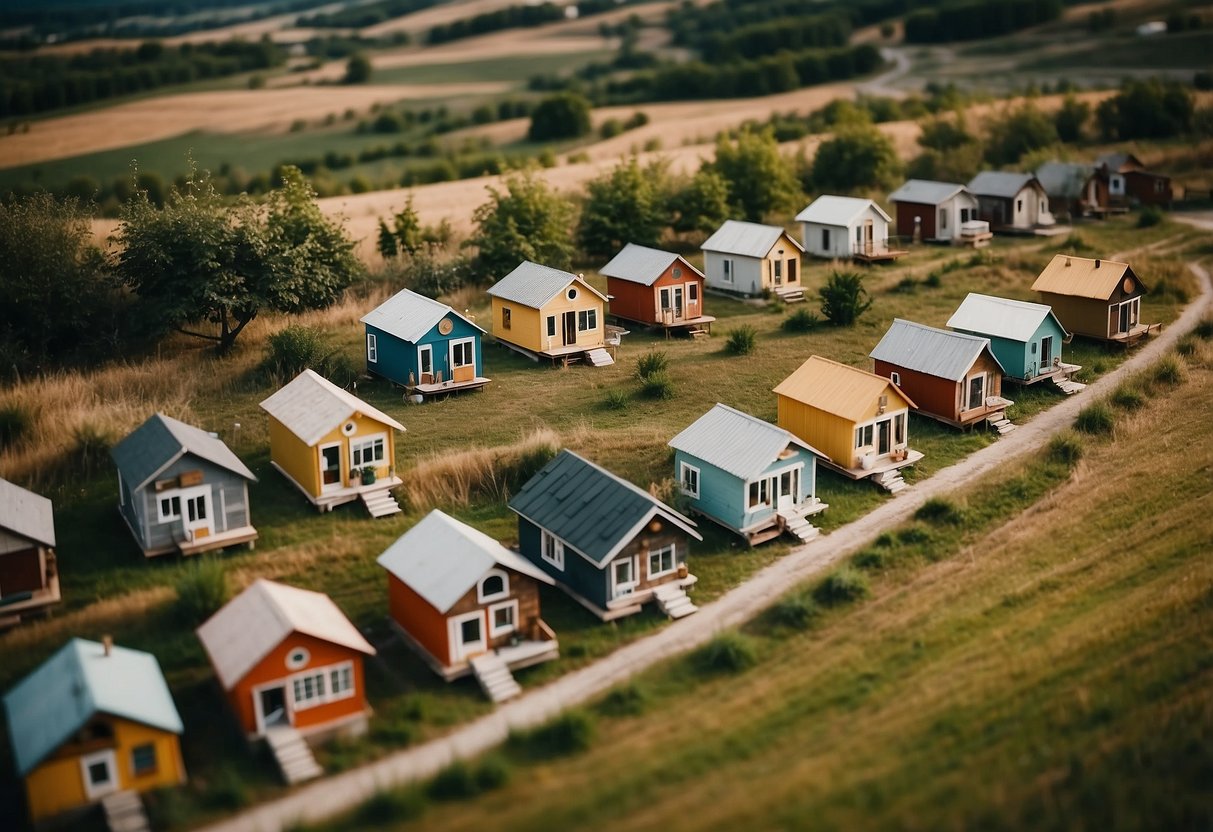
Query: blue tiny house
<point x="747" y="475"/>
<point x="1026" y="338"/>
<point x="424" y="345"/>
<point x="608" y="544"/>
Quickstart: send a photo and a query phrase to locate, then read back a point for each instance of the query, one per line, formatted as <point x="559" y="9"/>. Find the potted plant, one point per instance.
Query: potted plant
<point x="368" y="476"/>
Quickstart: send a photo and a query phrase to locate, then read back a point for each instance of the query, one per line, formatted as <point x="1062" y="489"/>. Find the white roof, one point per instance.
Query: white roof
<point x="534" y="285"/>
<point x="747" y="239"/>
<point x="26" y="513"/>
<point x="925" y="349"/>
<point x="736" y="442"/>
<point x="257" y="620"/>
<point x="1000" y="317"/>
<point x="641" y="264"/>
<point x="441" y="558"/>
<point x="838" y="210"/>
<point x="311" y="406"/>
<point x="409" y="316"/>
<point x="926" y="192"/>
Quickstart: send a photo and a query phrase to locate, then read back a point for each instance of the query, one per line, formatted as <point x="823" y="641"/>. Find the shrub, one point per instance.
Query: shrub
<point x="1150" y="215"/>
<point x="1204" y="329"/>
<point x="628" y="700"/>
<point x="658" y="386"/>
<point x="1169" y="371"/>
<point x="870" y="560"/>
<point x="201" y="590"/>
<point x="293" y="350"/>
<point x="615" y="399"/>
<point x="933" y="281"/>
<point x="455" y="782"/>
<point x="15" y="423"/>
<point x="1186" y="346"/>
<point x="729" y="652"/>
<point x="741" y="340"/>
<point x="913" y="535"/>
<point x="802" y="320"/>
<point x="565" y="115"/>
<point x="652" y="362"/>
<point x="843" y="298"/>
<point x="390" y="806"/>
<point x="1075" y="243"/>
<point x="842" y="586"/>
<point x="227" y="792"/>
<point x="1128" y="397"/>
<point x="906" y="285"/>
<point x="90" y="446"/>
<point x="940" y="512"/>
<point x="569" y="733"/>
<point x="610" y="128"/>
<point x="1095" y="419"/>
<point x="796" y="612"/>
<point x="1066" y="448"/>
<point x="492" y="773"/>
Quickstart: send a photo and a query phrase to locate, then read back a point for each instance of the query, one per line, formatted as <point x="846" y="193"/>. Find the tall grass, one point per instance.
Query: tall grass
<point x="456" y="479"/>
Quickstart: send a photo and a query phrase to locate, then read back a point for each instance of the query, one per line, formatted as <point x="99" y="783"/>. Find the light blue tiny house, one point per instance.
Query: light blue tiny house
<point x="423" y="345"/>
<point x="1026" y="338"/>
<point x="747" y="475"/>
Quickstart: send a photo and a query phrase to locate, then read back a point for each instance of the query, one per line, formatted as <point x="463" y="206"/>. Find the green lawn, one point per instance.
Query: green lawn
<point x="510" y="68"/>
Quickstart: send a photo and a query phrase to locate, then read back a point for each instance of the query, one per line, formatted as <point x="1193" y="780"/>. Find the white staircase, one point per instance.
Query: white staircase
<point x="124" y="812"/>
<point x="380" y="503"/>
<point x="890" y="481"/>
<point x="599" y="358"/>
<point x="495" y="678"/>
<point x="1068" y="386"/>
<point x="790" y="294"/>
<point x="293" y="755"/>
<point x="1000" y="423"/>
<point x="673" y="601"/>
<point x="795" y="524"/>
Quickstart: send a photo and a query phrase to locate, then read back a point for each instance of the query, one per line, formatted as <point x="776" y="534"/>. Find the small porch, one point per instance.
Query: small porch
<point x="14" y="606"/>
<point x="876" y="251"/>
<point x="1136" y="333"/>
<point x="193" y="544"/>
<point x="880" y="465"/>
<point x="537" y="646"/>
<point x="1057" y="372"/>
<point x="791" y="520"/>
<point x="329" y="499"/>
<point x="439" y="386"/>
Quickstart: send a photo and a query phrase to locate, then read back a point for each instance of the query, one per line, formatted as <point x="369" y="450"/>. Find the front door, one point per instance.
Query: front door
<point x="425" y="363"/>
<point x="868" y="241"/>
<point x="570" y="328"/>
<point x="100" y="773"/>
<point x="789" y="488"/>
<point x="271" y="707"/>
<point x="977" y="391"/>
<point x="792" y="270"/>
<point x="330" y="467"/>
<point x="463" y="360"/>
<point x="196" y="514"/>
<point x="1046" y="353"/>
<point x="884" y="445"/>
<point x="623" y="577"/>
<point x="678" y="311"/>
<point x="467" y="635"/>
<point x="692" y="300"/>
<point x="1124" y="317"/>
<point x="664" y="301"/>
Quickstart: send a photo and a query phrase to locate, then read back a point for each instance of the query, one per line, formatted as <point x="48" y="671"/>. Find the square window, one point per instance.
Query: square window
<point x="143" y="759"/>
<point x="690" y="480"/>
<point x="98" y="773"/>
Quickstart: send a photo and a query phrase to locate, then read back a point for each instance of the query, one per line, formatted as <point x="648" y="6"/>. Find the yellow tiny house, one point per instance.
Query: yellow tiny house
<point x="539" y="310"/>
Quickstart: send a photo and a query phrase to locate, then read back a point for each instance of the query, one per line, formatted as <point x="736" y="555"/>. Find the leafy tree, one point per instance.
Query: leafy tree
<point x="357" y="69"/>
<point x="565" y="115"/>
<point x="388" y="248"/>
<point x="1071" y="119"/>
<point x="200" y="261"/>
<point x="957" y="165"/>
<point x="858" y="157"/>
<point x="1149" y="109"/>
<point x="943" y="134"/>
<point x="1018" y="131"/>
<point x="702" y="205"/>
<point x="526" y="221"/>
<point x="760" y="180"/>
<point x="843" y="298"/>
<point x="409" y="234"/>
<point x="624" y="205"/>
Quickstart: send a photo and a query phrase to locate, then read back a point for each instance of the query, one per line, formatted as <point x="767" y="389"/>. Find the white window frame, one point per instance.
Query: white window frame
<point x="328" y="695"/>
<point x="556" y="559"/>
<point x="494" y="630"/>
<point x="966" y="399"/>
<point x="727" y="272"/>
<point x="664" y="299"/>
<point x="372" y="348"/>
<point x="161" y="499"/>
<point x="458" y="345"/>
<point x="672" y="549"/>
<point x="1134" y="305"/>
<point x="359" y="443"/>
<point x="107" y="756"/>
<point x="458" y="648"/>
<point x="895" y="377"/>
<point x="692" y="292"/>
<point x="425" y="354"/>
<point x="683" y="468"/>
<point x="763" y="495"/>
<point x="587" y="320"/>
<point x="482" y="597"/>
<point x="619" y="590"/>
<point x="865" y="435"/>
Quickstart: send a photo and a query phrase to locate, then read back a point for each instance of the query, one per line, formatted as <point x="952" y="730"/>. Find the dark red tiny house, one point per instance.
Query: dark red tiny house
<point x="656" y="288"/>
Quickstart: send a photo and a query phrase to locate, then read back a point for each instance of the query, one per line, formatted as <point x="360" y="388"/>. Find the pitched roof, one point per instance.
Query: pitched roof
<point x="26" y="513"/>
<point x="534" y="285"/>
<point x="736" y="442"/>
<point x="1083" y="277"/>
<point x="836" y="388"/>
<point x="643" y="265"/>
<point x="1064" y="179"/>
<point x="55" y="701"/>
<point x="747" y="239"/>
<point x="256" y="621"/>
<point x="838" y="210"/>
<point x="589" y="508"/>
<point x="994" y="317"/>
<point x="1119" y="161"/>
<point x="409" y="316"/>
<point x="1004" y="184"/>
<point x="310" y="406"/>
<point x="925" y="349"/>
<point x="926" y="192"/>
<point x="161" y="441"/>
<point x="441" y="559"/>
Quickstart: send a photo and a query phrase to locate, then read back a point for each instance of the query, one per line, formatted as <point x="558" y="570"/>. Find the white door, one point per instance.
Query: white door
<point x="425" y="364"/>
<point x="789" y="488"/>
<point x="100" y="773"/>
<point x="467" y="635"/>
<point x="623" y="577"/>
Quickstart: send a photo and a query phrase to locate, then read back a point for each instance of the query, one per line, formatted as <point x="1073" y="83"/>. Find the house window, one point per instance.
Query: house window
<point x="327" y="684"/>
<point x="943" y="219"/>
<point x="503" y="618"/>
<point x="661" y="561"/>
<point x="369" y="451"/>
<point x="372" y="349"/>
<point x="778" y="267"/>
<point x="505" y="317"/>
<point x="623" y="576"/>
<point x="551" y="326"/>
<point x="143" y="759"/>
<point x="170" y="509"/>
<point x="461" y="354"/>
<point x="727" y="274"/>
<point x="341" y="681"/>
<point x="1018" y="205"/>
<point x="663" y="296"/>
<point x="298" y="658"/>
<point x="571" y="294"/>
<point x="587" y="319"/>
<point x="676" y="272"/>
<point x="688" y="477"/>
<point x="825" y="239"/>
<point x="1158" y="186"/>
<point x="899" y="429"/>
<point x="552" y="551"/>
<point x="1044" y="206"/>
<point x="692" y="292"/>
<point x="100" y="773"/>
<point x="965" y="215"/>
<point x="425" y="360"/>
<point x="977" y="391"/>
<point x="895" y="377"/>
<point x="493" y="586"/>
<point x="863" y="436"/>
<point x="760" y="494"/>
<point x="309" y="690"/>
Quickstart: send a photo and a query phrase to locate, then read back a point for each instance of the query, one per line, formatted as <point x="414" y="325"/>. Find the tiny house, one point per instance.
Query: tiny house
<point x="747" y="475"/>
<point x="29" y="572"/>
<point x="332" y="446"/>
<point x="541" y="311"/>
<point x="846" y="227"/>
<point x="423" y="345"/>
<point x="747" y="258"/>
<point x="953" y="377"/>
<point x="1026" y="338"/>
<point x="466" y="603"/>
<point x="611" y="546"/>
<point x="288" y="657"/>
<point x="1099" y="299"/>
<point x="656" y="288"/>
<point x="1128" y="180"/>
<point x="938" y="212"/>
<point x="1075" y="189"/>
<point x="181" y="489"/>
<point x="858" y="420"/>
<point x="1012" y="202"/>
<point x="92" y="720"/>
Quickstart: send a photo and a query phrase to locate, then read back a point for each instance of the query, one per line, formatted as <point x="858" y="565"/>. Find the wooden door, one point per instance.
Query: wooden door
<point x="570" y="328"/>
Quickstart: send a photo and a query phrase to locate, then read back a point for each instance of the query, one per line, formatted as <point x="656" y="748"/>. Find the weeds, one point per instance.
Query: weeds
<point x="1065" y="448"/>
<point x="795" y="612"/>
<point x="729" y="652"/>
<point x="615" y="399"/>
<point x="15" y="424"/>
<point x="1095" y="419"/>
<point x="652" y="363"/>
<point x="446" y="479"/>
<point x="629" y="700"/>
<point x="201" y="590"/>
<point x="1204" y="329"/>
<point x="940" y="511"/>
<point x="1168" y="372"/>
<point x="1128" y="397"/>
<point x="391" y="806"/>
<point x="460" y="781"/>
<point x="843" y="586"/>
<point x="658" y="386"/>
<point x="1150" y="216"/>
<point x="742" y="340"/>
<point x="569" y="733"/>
<point x="802" y="320"/>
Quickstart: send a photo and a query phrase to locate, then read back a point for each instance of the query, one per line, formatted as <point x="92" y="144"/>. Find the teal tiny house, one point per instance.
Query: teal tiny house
<point x="424" y="345"/>
<point x="1026" y="338"/>
<point x="747" y="475"/>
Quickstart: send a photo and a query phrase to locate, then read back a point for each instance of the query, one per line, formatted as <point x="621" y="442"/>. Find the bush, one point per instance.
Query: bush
<point x="741" y="340"/>
<point x="1065" y="448"/>
<point x="658" y="386"/>
<point x="933" y="281"/>
<point x="906" y="285"/>
<point x="842" y="587"/>
<point x="293" y="350"/>
<point x="870" y="560"/>
<point x="843" y="298"/>
<point x="914" y="535"/>
<point x="455" y="782"/>
<point x="492" y="773"/>
<point x="569" y="733"/>
<point x="1095" y="419"/>
<point x="1204" y="329"/>
<point x="1128" y="397"/>
<point x="227" y="791"/>
<point x="795" y="612"/>
<point x="1186" y="347"/>
<point x="802" y="320"/>
<point x="1169" y="371"/>
<point x="1150" y="215"/>
<point x="201" y="590"/>
<point x="391" y="806"/>
<point x="15" y="423"/>
<point x="565" y="115"/>
<point x="729" y="652"/>
<point x="651" y="363"/>
<point x="629" y="700"/>
<point x="615" y="399"/>
<point x="940" y="512"/>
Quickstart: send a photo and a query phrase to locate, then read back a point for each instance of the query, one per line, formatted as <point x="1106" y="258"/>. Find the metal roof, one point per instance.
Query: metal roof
<point x="27" y="514"/>
<point x="310" y="406"/>
<point x="589" y="508"/>
<point x="643" y="265"/>
<point x="409" y="316"/>
<point x="534" y="285"/>
<point x="935" y="352"/>
<point x="926" y="192"/>
<point x="257" y="620"/>
<point x="161" y="441"/>
<point x="1083" y="277"/>
<point x="1119" y="162"/>
<point x="994" y="317"/>
<point x="747" y="239"/>
<point x="1064" y="179"/>
<point x="441" y="558"/>
<point x="55" y="701"/>
<point x="845" y="391"/>
<point x="736" y="442"/>
<point x="997" y="183"/>
<point x="838" y="210"/>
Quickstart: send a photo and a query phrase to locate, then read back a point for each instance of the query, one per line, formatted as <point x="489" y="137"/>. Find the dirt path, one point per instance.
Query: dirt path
<point x="342" y="792"/>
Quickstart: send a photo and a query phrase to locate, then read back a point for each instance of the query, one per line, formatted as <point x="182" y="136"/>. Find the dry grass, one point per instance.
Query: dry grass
<point x="93" y="621"/>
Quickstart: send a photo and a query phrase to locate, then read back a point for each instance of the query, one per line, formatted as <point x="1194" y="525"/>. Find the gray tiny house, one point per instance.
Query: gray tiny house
<point x="180" y="489"/>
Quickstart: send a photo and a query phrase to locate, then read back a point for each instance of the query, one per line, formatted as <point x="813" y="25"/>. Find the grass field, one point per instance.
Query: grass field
<point x="505" y="68"/>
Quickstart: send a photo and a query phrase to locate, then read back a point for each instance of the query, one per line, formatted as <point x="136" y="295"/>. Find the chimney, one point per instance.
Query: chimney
<point x="107" y="644"/>
<point x="1067" y="262"/>
<point x="1097" y="262"/>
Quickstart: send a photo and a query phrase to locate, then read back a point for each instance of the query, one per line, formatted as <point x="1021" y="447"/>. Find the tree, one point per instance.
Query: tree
<point x="527" y="221"/>
<point x="624" y="205"/>
<point x="760" y="180"/>
<point x="565" y="115"/>
<point x="1149" y="109"/>
<point x="357" y="69"/>
<point x="939" y="133"/>
<point x="409" y="235"/>
<point x="843" y="298"/>
<point x="388" y="248"/>
<point x="702" y="205"/>
<point x="1071" y="119"/>
<point x="200" y="261"/>
<point x="859" y="157"/>
<point x="1018" y="131"/>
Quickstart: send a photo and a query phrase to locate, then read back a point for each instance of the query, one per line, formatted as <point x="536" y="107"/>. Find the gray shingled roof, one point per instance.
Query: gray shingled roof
<point x="160" y="441"/>
<point x="828" y="209"/>
<point x="1016" y="320"/>
<point x="997" y="183"/>
<point x="736" y="442"/>
<point x="409" y="316"/>
<point x="534" y="285"/>
<point x="1063" y="179"/>
<point x="641" y="264"/>
<point x="926" y="192"/>
<point x="746" y="239"/>
<point x="589" y="508"/>
<point x="26" y="513"/>
<point x="925" y="349"/>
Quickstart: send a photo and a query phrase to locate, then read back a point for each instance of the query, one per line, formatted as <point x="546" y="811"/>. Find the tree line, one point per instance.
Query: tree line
<point x="976" y="19"/>
<point x="361" y="16"/>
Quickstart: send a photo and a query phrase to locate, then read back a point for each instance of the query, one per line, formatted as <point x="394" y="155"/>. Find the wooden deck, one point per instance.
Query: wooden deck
<point x="1060" y="371"/>
<point x="878" y="255"/>
<point x="221" y="540"/>
<point x="330" y="499"/>
<point x="882" y="465"/>
<point x="525" y="653"/>
<point x="37" y="602"/>
<point x="1137" y="333"/>
<point x="442" y="387"/>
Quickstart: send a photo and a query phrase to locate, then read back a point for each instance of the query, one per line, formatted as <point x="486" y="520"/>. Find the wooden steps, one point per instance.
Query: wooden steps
<point x="797" y="526"/>
<point x="1068" y="386"/>
<point x="1000" y="423"/>
<point x="599" y="358"/>
<point x="495" y="678"/>
<point x="293" y="755"/>
<point x="124" y="812"/>
<point x="789" y="294"/>
<point x="890" y="481"/>
<point x="380" y="503"/>
<point x="673" y="601"/>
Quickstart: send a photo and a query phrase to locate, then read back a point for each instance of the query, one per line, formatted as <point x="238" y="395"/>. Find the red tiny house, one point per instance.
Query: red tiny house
<point x="655" y="288"/>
